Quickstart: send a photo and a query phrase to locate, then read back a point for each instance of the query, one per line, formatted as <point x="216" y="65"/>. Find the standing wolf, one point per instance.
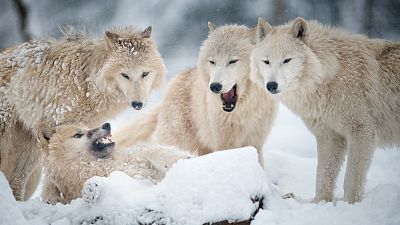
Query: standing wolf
<point x="215" y="106"/>
<point x="72" y="79"/>
<point x="345" y="87"/>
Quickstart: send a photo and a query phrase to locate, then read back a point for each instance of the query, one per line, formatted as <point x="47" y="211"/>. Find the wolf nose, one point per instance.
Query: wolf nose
<point x="215" y="87"/>
<point x="106" y="126"/>
<point x="137" y="105"/>
<point x="272" y="87"/>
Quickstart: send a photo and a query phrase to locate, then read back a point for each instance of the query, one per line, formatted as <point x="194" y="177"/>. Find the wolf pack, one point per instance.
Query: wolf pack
<point x="57" y="95"/>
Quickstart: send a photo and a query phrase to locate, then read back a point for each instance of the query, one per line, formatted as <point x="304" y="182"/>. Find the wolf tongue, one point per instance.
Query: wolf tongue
<point x="228" y="96"/>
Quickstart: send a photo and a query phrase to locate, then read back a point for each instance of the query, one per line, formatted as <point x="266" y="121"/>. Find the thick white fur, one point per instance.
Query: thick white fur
<point x="345" y="87"/>
<point x="70" y="79"/>
<point x="191" y="115"/>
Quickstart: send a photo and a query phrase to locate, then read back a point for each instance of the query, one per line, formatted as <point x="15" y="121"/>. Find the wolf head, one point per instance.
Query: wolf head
<point x="282" y="58"/>
<point x="224" y="63"/>
<point x="133" y="66"/>
<point x="76" y="142"/>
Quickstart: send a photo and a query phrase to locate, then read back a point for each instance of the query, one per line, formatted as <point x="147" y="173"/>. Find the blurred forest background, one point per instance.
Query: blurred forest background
<point x="180" y="26"/>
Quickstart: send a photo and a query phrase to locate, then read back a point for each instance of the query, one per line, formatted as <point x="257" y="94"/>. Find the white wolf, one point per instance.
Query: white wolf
<point x="234" y="113"/>
<point x="71" y="79"/>
<point x="345" y="87"/>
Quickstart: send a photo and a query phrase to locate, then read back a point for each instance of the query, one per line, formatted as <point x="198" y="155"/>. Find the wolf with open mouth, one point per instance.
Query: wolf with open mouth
<point x="73" y="153"/>
<point x="212" y="107"/>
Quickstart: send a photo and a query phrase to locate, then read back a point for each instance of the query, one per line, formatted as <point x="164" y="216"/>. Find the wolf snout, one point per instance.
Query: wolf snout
<point x="272" y="87"/>
<point x="106" y="126"/>
<point x="215" y="87"/>
<point x="137" y="105"/>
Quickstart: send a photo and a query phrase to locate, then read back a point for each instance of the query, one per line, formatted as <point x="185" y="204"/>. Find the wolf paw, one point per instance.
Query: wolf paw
<point x="91" y="192"/>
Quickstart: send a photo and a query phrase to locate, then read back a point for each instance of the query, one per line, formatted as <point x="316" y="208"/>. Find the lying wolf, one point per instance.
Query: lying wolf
<point x="72" y="79"/>
<point x="74" y="153"/>
<point x="345" y="87"/>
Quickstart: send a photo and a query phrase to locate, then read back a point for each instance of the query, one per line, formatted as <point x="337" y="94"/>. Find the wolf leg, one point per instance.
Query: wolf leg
<point x="50" y="193"/>
<point x="21" y="158"/>
<point x="331" y="152"/>
<point x="361" y="150"/>
<point x="33" y="182"/>
<point x="260" y="152"/>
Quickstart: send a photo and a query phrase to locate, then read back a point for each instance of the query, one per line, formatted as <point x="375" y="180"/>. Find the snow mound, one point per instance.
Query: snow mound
<point x="215" y="187"/>
<point x="9" y="212"/>
<point x="227" y="185"/>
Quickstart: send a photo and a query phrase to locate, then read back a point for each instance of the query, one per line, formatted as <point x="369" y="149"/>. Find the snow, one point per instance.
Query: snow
<point x="9" y="211"/>
<point x="25" y="52"/>
<point x="192" y="196"/>
<point x="380" y="207"/>
<point x="212" y="188"/>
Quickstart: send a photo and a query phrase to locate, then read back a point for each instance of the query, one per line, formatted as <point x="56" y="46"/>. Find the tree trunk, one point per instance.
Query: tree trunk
<point x="368" y="20"/>
<point x="22" y="12"/>
<point x="279" y="16"/>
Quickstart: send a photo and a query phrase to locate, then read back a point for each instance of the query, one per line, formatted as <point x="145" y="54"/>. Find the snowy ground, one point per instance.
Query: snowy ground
<point x="290" y="159"/>
<point x="183" y="197"/>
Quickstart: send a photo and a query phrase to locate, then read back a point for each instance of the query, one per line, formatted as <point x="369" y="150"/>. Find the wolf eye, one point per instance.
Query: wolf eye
<point x="144" y="74"/>
<point x="287" y="60"/>
<point x="233" y="61"/>
<point x="266" y="62"/>
<point x="78" y="135"/>
<point x="212" y="62"/>
<point x="125" y="75"/>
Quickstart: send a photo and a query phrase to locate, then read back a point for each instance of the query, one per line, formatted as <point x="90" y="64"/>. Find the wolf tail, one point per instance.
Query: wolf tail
<point x="137" y="131"/>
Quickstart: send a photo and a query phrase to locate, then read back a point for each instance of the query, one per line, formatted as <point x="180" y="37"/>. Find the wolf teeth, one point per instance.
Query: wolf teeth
<point x="104" y="140"/>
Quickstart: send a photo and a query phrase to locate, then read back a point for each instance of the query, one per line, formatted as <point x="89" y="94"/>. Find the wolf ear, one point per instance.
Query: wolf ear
<point x="147" y="32"/>
<point x="263" y="28"/>
<point x="45" y="133"/>
<point x="299" y="28"/>
<point x="211" y="27"/>
<point x="111" y="38"/>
